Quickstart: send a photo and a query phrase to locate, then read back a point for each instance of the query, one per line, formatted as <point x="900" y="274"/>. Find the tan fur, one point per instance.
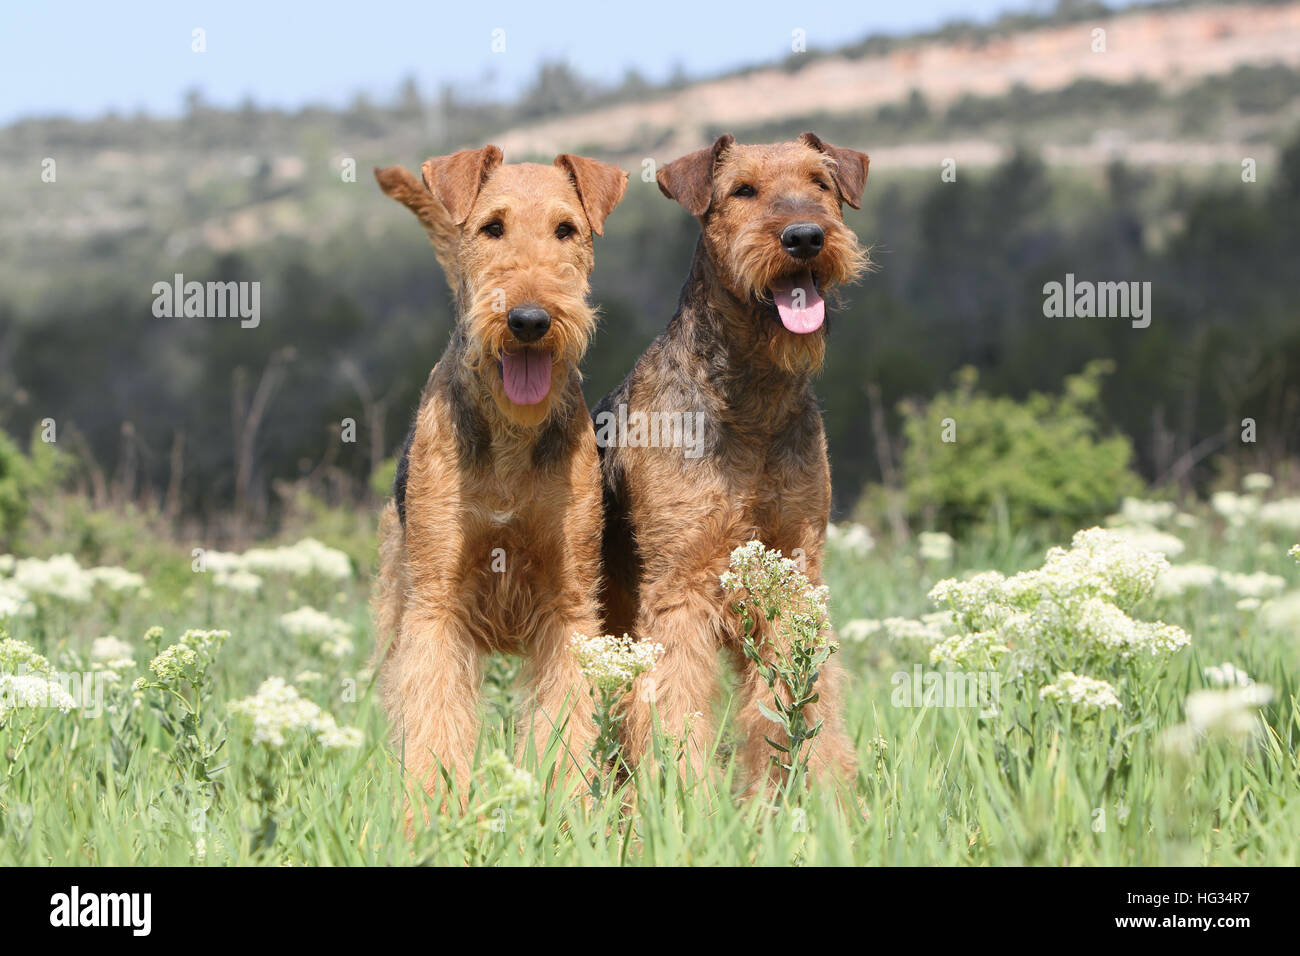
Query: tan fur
<point x="488" y="480"/>
<point x="672" y="521"/>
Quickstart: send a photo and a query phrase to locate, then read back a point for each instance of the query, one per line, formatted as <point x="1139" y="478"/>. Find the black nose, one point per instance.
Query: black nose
<point x="803" y="240"/>
<point x="528" y="322"/>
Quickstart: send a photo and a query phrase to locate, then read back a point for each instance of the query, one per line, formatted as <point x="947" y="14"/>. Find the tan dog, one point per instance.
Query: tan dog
<point x="748" y="336"/>
<point x="492" y="539"/>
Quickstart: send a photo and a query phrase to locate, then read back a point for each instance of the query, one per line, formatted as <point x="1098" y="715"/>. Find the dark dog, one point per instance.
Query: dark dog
<point x="748" y="336"/>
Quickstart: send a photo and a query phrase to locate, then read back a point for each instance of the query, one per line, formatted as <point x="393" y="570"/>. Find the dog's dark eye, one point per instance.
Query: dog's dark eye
<point x="822" y="184"/>
<point x="744" y="191"/>
<point x="564" y="230"/>
<point x="496" y="229"/>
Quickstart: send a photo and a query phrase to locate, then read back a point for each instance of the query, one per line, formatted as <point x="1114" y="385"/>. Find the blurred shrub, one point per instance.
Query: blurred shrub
<point x="381" y="479"/>
<point x="351" y="527"/>
<point x="1043" y="459"/>
<point x="23" y="477"/>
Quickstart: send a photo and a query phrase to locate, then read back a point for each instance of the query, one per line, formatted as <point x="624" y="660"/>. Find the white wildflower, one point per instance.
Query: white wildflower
<point x="222" y="562"/>
<point x="112" y="654"/>
<point x="510" y="787"/>
<point x="241" y="582"/>
<point x="936" y="546"/>
<point x="1283" y="514"/>
<point x="19" y="657"/>
<point x="187" y="659"/>
<point x="311" y="623"/>
<point x="278" y="715"/>
<point x="1136" y="511"/>
<point x="306" y="557"/>
<point x="859" y="629"/>
<point x="1147" y="538"/>
<point x="1229" y="714"/>
<point x="1178" y="579"/>
<point x="980" y="651"/>
<point x="1082" y="693"/>
<point x="1256" y="482"/>
<point x="1228" y="675"/>
<point x="23" y="691"/>
<point x="1260" y="584"/>
<point x="854" y="538"/>
<point x="1236" y="509"/>
<point x="612" y="663"/>
<point x="1282" y="613"/>
<point x="772" y="581"/>
<point x="14" y="601"/>
<point x="117" y="579"/>
<point x="58" y="577"/>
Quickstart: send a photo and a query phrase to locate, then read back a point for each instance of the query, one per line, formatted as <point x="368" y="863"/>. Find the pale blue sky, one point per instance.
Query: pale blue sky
<point x="86" y="56"/>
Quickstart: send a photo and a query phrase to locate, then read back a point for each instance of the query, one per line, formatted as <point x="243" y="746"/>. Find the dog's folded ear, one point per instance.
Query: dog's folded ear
<point x="848" y="168"/>
<point x="401" y="184"/>
<point x="457" y="179"/>
<point x="600" y="186"/>
<point x="689" y="180"/>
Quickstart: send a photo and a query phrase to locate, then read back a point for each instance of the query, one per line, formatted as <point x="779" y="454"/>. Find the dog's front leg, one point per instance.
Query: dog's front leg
<point x="678" y="694"/>
<point x="561" y="704"/>
<point x="431" y="685"/>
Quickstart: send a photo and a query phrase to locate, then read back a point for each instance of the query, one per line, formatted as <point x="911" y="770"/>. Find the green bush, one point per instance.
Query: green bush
<point x="21" y="478"/>
<point x="1043" y="459"/>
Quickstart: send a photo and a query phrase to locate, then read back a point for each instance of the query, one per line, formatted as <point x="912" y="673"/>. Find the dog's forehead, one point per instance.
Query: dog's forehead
<point x="771" y="161"/>
<point x="533" y="185"/>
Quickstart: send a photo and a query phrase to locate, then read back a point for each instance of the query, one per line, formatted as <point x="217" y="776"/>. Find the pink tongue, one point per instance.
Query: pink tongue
<point x="526" y="375"/>
<point x="797" y="302"/>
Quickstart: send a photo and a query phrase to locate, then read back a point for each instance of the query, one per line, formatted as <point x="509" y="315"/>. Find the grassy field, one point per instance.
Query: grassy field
<point x="170" y="773"/>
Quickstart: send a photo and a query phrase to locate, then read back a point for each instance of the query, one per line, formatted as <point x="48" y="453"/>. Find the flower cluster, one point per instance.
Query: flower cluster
<point x="302" y="559"/>
<point x="1067" y="617"/>
<point x="14" y="600"/>
<point x="185" y="662"/>
<point x="1235" y="509"/>
<point x="277" y="715"/>
<point x="1147" y="538"/>
<point x="25" y="681"/>
<point x="612" y="663"/>
<point x="936" y="546"/>
<point x="333" y="635"/>
<point x="109" y="653"/>
<point x="512" y="788"/>
<point x="1136" y="511"/>
<point x="20" y="691"/>
<point x="855" y="539"/>
<point x="238" y="580"/>
<point x="1082" y="694"/>
<point x="768" y="583"/>
<point x="1227" y="675"/>
<point x="1283" y="514"/>
<point x="60" y="578"/>
<point x="1225" y="713"/>
<point x="982" y="650"/>
<point x="1178" y="579"/>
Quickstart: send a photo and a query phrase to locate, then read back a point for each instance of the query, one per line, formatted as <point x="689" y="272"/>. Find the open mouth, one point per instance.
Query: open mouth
<point x="798" y="302"/>
<point x="526" y="375"/>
